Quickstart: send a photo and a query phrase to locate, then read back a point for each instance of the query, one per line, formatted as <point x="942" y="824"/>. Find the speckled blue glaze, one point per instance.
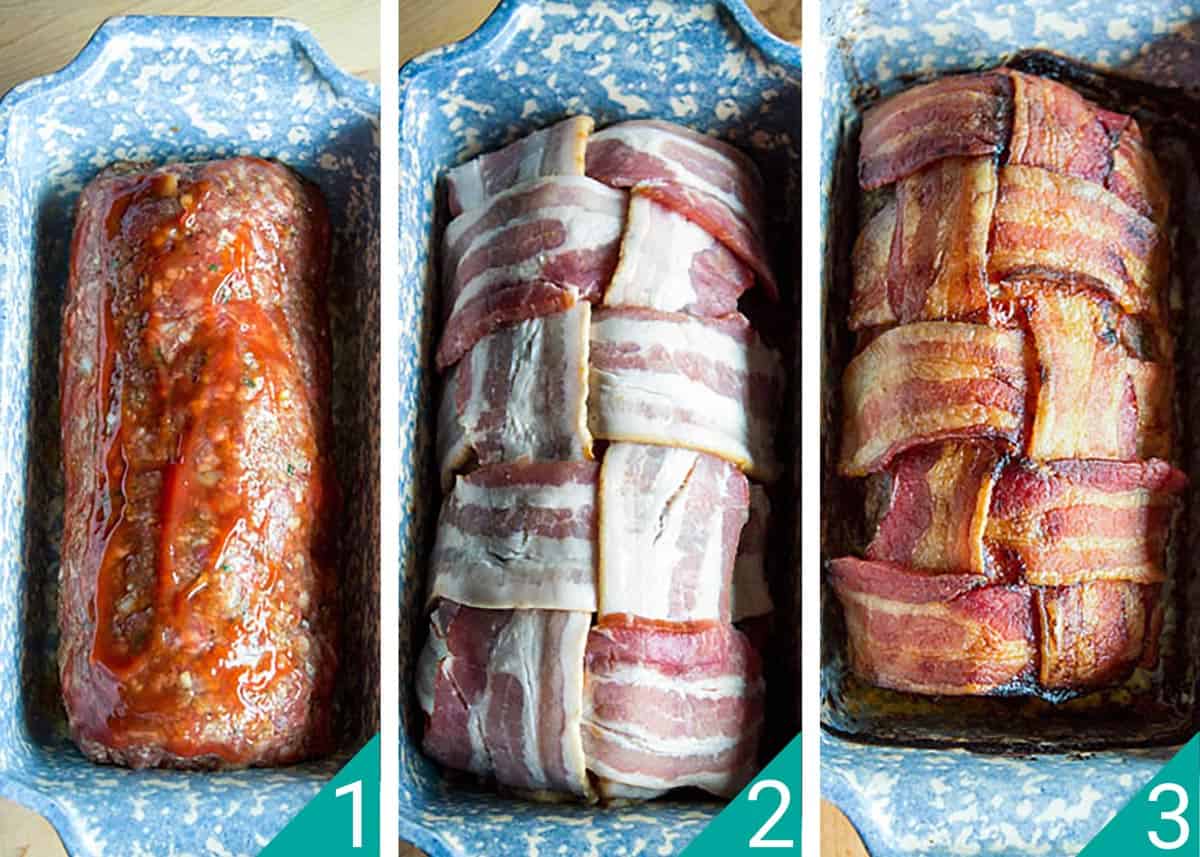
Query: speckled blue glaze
<point x="161" y="89"/>
<point x="709" y="65"/>
<point x="949" y="802"/>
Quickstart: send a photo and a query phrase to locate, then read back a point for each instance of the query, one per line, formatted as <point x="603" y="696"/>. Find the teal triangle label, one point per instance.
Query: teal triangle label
<point x="343" y="819"/>
<point x="1162" y="819"/>
<point x="763" y="819"/>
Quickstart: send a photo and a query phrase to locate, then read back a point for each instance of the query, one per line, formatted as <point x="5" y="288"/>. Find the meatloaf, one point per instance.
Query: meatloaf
<point x="198" y="604"/>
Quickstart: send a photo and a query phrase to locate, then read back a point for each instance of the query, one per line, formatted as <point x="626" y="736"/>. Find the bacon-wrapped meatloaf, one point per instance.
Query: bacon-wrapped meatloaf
<point x="604" y="404"/>
<point x="1011" y="397"/>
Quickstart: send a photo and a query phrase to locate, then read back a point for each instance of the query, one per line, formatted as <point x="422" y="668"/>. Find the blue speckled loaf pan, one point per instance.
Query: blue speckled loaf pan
<point x="1023" y="796"/>
<point x="709" y="65"/>
<point x="159" y="89"/>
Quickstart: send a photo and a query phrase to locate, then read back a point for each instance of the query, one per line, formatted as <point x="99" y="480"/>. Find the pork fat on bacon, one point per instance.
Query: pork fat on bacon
<point x="605" y="407"/>
<point x="1010" y="401"/>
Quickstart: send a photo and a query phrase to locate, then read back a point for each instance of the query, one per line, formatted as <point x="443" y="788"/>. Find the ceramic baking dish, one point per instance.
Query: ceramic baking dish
<point x="1025" y="776"/>
<point x="709" y="65"/>
<point x="159" y="89"/>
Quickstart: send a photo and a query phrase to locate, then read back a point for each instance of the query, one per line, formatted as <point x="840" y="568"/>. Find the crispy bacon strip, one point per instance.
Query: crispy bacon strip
<point x="938" y="256"/>
<point x="1094" y="634"/>
<point x="519" y="535"/>
<point x="947" y="633"/>
<point x="558" y="150"/>
<point x="750" y="595"/>
<point x="870" y="302"/>
<point x="937" y="508"/>
<point x="1135" y="176"/>
<point x="1094" y="400"/>
<point x="669" y="525"/>
<point x="1078" y="521"/>
<point x="519" y="394"/>
<point x="1054" y="227"/>
<point x="503" y="691"/>
<point x="526" y="253"/>
<point x="1055" y="128"/>
<point x="704" y="384"/>
<point x="961" y="116"/>
<point x="670" y="263"/>
<point x="931" y="381"/>
<point x="667" y="707"/>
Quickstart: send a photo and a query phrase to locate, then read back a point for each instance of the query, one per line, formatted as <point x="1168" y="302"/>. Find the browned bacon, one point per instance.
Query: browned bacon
<point x="931" y="381"/>
<point x="1135" y="176"/>
<point x="1076" y="521"/>
<point x="1056" y="128"/>
<point x="667" y="706"/>
<point x="934" y="633"/>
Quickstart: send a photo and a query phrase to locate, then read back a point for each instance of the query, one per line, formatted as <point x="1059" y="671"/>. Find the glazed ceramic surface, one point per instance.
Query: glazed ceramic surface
<point x="953" y="801"/>
<point x="708" y="65"/>
<point x="155" y="90"/>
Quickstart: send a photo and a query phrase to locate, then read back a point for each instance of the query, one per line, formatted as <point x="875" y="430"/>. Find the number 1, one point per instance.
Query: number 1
<point x="354" y="789"/>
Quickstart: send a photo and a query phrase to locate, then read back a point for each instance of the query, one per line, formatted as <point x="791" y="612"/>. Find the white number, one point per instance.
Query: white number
<point x="354" y="789"/>
<point x="1175" y="815"/>
<point x="785" y="800"/>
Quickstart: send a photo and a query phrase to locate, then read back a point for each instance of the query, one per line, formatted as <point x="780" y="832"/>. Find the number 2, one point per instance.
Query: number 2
<point x="785" y="800"/>
<point x="1175" y="815"/>
<point x="354" y="789"/>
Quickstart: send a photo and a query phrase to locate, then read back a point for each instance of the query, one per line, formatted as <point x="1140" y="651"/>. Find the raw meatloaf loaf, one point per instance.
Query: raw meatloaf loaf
<point x="1011" y="399"/>
<point x="198" y="603"/>
<point x="598" y="578"/>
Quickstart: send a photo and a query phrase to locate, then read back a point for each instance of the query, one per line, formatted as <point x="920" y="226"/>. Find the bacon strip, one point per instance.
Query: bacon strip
<point x="522" y="254"/>
<point x="931" y="381"/>
<point x="504" y="690"/>
<point x="520" y="394"/>
<point x="1094" y="400"/>
<point x="519" y="535"/>
<point x="1070" y="230"/>
<point x="669" y="525"/>
<point x="1094" y="634"/>
<point x="559" y="150"/>
<point x="1080" y="521"/>
<point x="1055" y="128"/>
<point x="669" y="263"/>
<point x="948" y="633"/>
<point x="1135" y="176"/>
<point x="937" y="266"/>
<point x="667" y="707"/>
<point x="870" y="303"/>
<point x="704" y="384"/>
<point x="960" y="116"/>
<point x="750" y="596"/>
<point x="708" y="181"/>
<point x="938" y="508"/>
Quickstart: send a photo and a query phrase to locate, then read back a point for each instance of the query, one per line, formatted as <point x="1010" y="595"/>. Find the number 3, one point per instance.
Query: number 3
<point x="785" y="800"/>
<point x="354" y="789"/>
<point x="1175" y="815"/>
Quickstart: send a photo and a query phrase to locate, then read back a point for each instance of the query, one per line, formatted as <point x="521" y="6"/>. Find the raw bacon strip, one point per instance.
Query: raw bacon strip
<point x="523" y="253"/>
<point x="870" y="304"/>
<point x="667" y="707"/>
<point x="1094" y="634"/>
<point x="671" y="379"/>
<point x="1089" y="403"/>
<point x="670" y="263"/>
<point x="946" y="633"/>
<point x="519" y="535"/>
<point x="961" y="116"/>
<point x="559" y="150"/>
<point x="938" y="508"/>
<point x="1079" y="521"/>
<point x="1073" y="231"/>
<point x="504" y="690"/>
<point x="939" y="255"/>
<point x="931" y="381"/>
<point x="1055" y="128"/>
<point x="669" y="525"/>
<point x="1135" y="176"/>
<point x="750" y="595"/>
<point x="520" y="394"/>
